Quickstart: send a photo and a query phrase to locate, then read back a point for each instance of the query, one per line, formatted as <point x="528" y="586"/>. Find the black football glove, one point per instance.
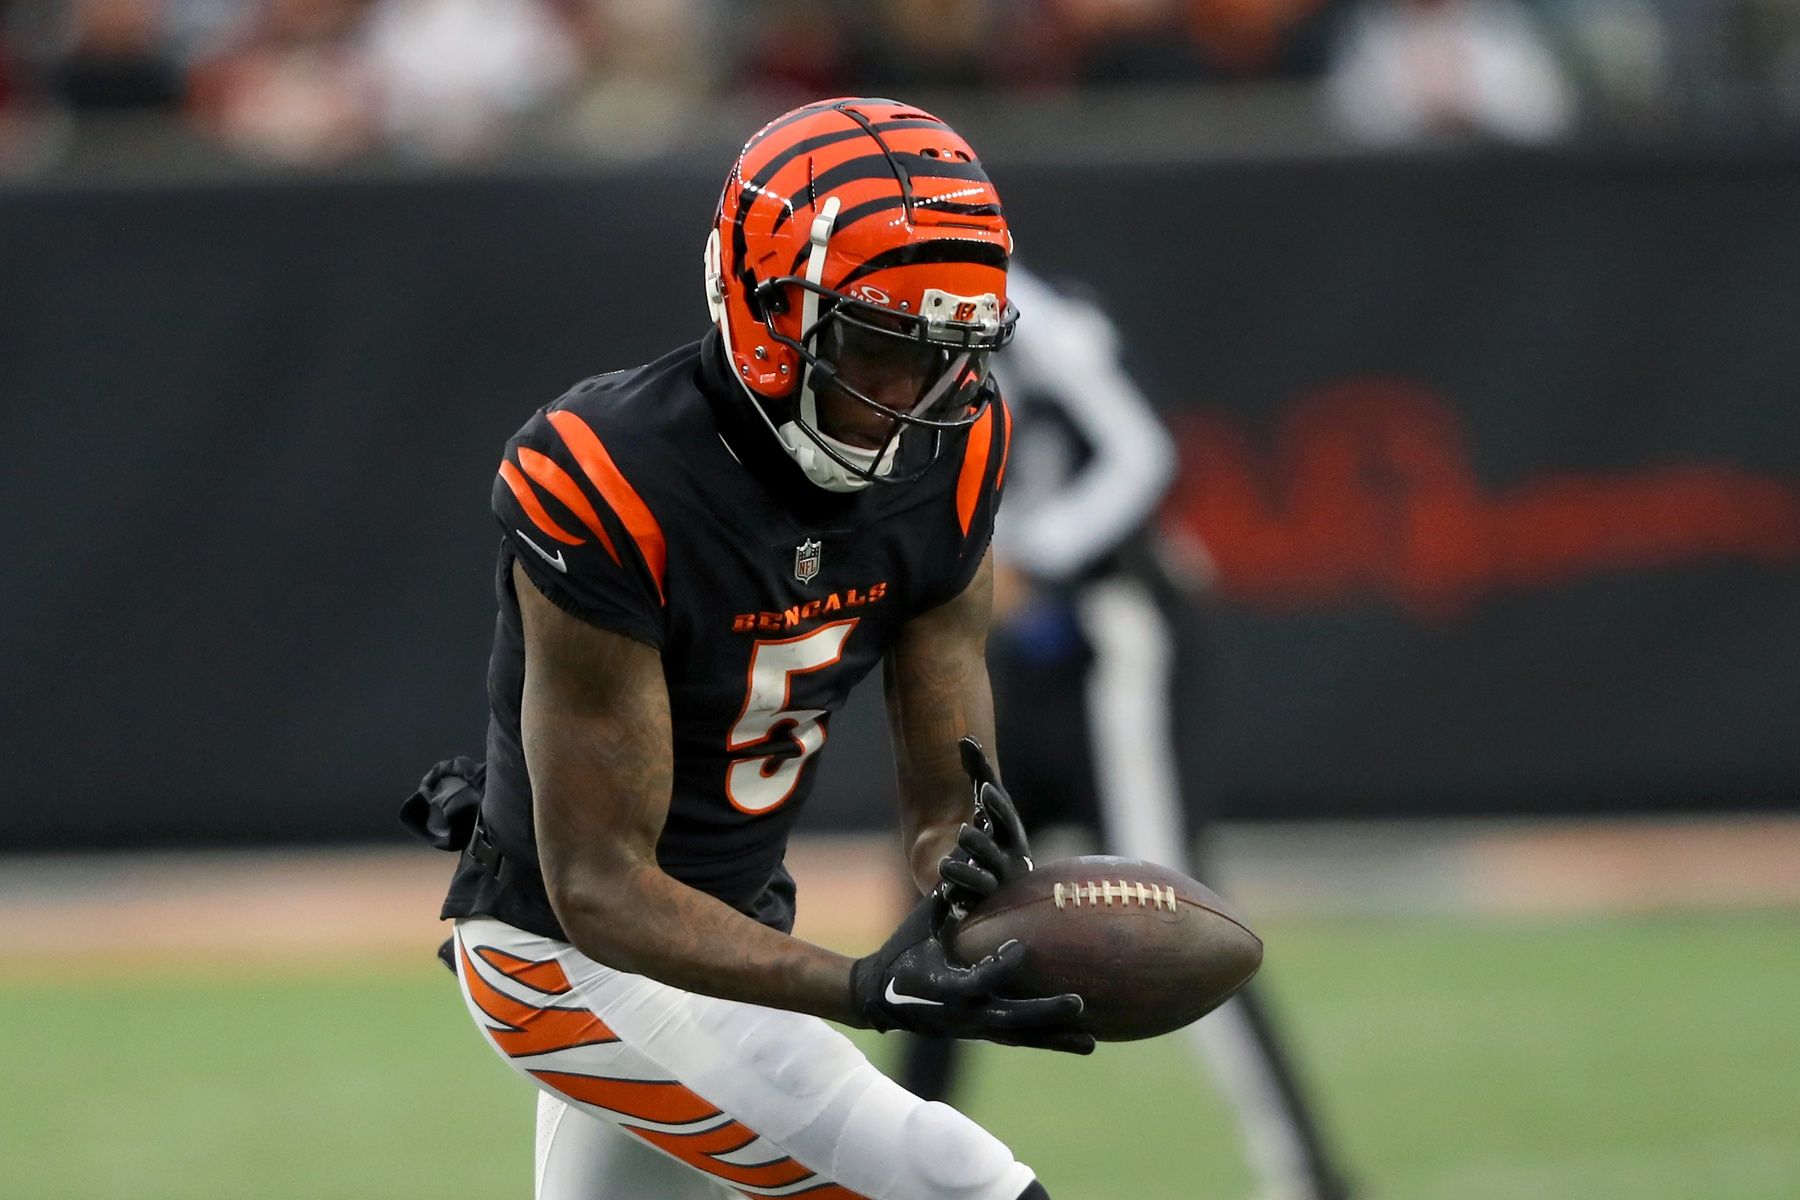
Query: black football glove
<point x="911" y="984"/>
<point x="992" y="851"/>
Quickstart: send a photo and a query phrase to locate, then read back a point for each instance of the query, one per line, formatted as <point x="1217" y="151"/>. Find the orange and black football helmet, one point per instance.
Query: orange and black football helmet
<point x="861" y="231"/>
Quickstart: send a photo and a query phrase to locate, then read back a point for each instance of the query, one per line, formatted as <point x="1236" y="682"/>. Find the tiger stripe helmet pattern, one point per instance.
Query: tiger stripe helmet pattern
<point x="862" y="218"/>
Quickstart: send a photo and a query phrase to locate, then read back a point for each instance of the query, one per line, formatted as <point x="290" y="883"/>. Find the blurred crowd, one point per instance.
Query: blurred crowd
<point x="328" y="80"/>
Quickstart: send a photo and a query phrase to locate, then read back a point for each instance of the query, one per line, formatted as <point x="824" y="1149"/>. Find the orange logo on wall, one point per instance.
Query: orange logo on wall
<point x="1370" y="492"/>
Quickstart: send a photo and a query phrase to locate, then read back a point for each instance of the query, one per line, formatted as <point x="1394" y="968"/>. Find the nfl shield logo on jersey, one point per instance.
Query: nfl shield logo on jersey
<point x="806" y="560"/>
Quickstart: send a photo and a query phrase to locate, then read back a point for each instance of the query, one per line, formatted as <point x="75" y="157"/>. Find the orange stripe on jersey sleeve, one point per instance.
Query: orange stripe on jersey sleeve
<point x="556" y="481"/>
<point x="974" y="466"/>
<point x="599" y="467"/>
<point x="1005" y="443"/>
<point x="534" y="508"/>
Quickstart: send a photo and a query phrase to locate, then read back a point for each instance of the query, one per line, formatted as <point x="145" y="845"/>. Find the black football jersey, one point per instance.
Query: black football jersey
<point x="655" y="503"/>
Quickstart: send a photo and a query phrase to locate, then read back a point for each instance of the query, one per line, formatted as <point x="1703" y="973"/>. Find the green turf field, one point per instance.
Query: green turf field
<point x="1642" y="1059"/>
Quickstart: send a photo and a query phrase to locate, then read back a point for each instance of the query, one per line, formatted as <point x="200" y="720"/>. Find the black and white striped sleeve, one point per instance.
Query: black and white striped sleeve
<point x="1065" y="356"/>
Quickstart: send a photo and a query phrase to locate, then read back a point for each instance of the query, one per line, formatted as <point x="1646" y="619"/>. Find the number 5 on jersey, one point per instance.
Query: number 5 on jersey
<point x="761" y="784"/>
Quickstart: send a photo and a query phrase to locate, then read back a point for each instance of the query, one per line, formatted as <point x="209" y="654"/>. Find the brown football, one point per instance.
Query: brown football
<point x="1147" y="948"/>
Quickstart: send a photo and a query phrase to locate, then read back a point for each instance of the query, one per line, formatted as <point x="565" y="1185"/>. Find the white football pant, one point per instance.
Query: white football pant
<point x="650" y="1091"/>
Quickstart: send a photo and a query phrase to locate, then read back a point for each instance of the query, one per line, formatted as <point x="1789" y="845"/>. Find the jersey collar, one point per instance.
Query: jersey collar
<point x="752" y="445"/>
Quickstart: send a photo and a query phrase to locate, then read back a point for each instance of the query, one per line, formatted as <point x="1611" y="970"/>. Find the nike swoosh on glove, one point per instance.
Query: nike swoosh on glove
<point x="910" y="983"/>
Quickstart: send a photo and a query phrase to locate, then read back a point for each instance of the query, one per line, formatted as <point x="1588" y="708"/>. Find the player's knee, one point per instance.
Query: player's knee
<point x="953" y="1152"/>
<point x="782" y="1049"/>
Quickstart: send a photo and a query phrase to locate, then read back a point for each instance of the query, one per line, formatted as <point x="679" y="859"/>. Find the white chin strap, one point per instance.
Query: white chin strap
<point x="826" y="471"/>
<point x="818" y="466"/>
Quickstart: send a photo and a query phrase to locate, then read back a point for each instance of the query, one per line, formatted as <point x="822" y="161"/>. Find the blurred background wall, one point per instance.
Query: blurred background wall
<point x="1473" y="323"/>
<point x="1473" y="318"/>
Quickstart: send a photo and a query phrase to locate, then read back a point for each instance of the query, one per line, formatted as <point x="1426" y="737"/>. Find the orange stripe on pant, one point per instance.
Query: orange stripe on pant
<point x="664" y="1101"/>
<point x="546" y="976"/>
<point x="697" y="1149"/>
<point x="528" y="1028"/>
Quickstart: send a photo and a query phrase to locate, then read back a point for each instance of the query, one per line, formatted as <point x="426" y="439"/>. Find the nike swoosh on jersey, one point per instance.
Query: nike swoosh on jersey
<point x="897" y="997"/>
<point x="555" y="560"/>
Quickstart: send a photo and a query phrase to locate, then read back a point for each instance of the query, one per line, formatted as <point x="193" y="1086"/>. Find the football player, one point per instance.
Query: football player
<point x="699" y="558"/>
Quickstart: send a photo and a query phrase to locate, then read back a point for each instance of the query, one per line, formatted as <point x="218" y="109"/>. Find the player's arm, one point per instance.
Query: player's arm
<point x="963" y="835"/>
<point x="936" y="683"/>
<point x="595" y="720"/>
